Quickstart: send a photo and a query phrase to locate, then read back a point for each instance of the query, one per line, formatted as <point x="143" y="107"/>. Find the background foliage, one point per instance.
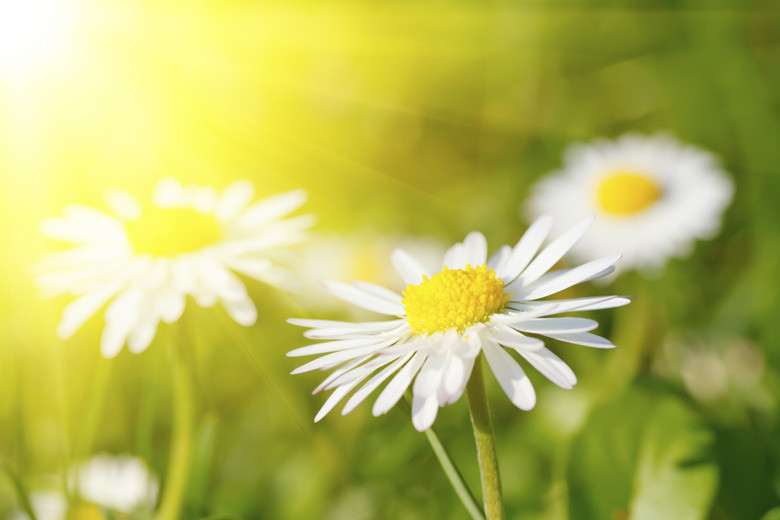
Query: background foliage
<point x="428" y="119"/>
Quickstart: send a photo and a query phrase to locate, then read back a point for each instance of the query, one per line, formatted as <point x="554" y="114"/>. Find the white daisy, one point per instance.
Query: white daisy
<point x="121" y="483"/>
<point x="147" y="260"/>
<point x="653" y="195"/>
<point x="446" y="319"/>
<point x="46" y="505"/>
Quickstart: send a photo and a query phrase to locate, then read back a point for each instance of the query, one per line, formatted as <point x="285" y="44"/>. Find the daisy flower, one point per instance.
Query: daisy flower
<point x="446" y="318"/>
<point x="653" y="195"/>
<point x="146" y="260"/>
<point x="121" y="483"/>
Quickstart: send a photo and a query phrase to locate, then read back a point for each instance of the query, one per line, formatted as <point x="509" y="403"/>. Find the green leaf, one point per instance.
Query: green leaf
<point x="642" y="457"/>
<point x="773" y="514"/>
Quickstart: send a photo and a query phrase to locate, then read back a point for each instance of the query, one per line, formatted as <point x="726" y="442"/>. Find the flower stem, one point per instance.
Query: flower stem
<point x="486" y="448"/>
<point x="181" y="436"/>
<point x="454" y="476"/>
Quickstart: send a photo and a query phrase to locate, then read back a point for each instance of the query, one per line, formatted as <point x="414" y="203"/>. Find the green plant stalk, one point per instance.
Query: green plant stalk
<point x="454" y="476"/>
<point x="486" y="447"/>
<point x="21" y="491"/>
<point x="181" y="436"/>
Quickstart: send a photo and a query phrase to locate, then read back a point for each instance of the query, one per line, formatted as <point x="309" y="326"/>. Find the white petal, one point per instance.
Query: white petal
<point x="242" y="311"/>
<point x="223" y="283"/>
<point x="512" y="338"/>
<point x="498" y="260"/>
<point x="394" y="327"/>
<point x="427" y="381"/>
<point x="84" y="225"/>
<point x="555" y="251"/>
<point x="271" y="208"/>
<point x="380" y="292"/>
<point x="545" y="308"/>
<point x="424" y="410"/>
<point x="510" y="376"/>
<point x="569" y="278"/>
<point x="408" y="267"/>
<point x="364" y="299"/>
<point x="338" y="345"/>
<point x="467" y="347"/>
<point x="114" y="336"/>
<point x="233" y="200"/>
<point x="552" y="367"/>
<point x="556" y="325"/>
<point x="170" y="305"/>
<point x="398" y="385"/>
<point x="82" y="308"/>
<point x="123" y="205"/>
<point x="373" y="383"/>
<point x="167" y="193"/>
<point x="334" y="398"/>
<point x="585" y="339"/>
<point x="339" y="357"/>
<point x="474" y="249"/>
<point x="142" y="334"/>
<point x="456" y="376"/>
<point x="454" y="256"/>
<point x="340" y="371"/>
<point x="256" y="268"/>
<point x="526" y="248"/>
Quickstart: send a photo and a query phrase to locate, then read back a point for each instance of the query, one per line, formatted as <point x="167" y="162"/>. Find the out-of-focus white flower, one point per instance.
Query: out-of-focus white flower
<point x="122" y="483"/>
<point x="714" y="369"/>
<point x="47" y="505"/>
<point x="146" y="260"/>
<point x="654" y="197"/>
<point x="448" y="316"/>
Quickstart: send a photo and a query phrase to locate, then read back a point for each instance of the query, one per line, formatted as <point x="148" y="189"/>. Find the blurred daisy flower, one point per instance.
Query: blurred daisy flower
<point x="448" y="316"/>
<point x="121" y="483"/>
<point x="146" y="260"/>
<point x="653" y="195"/>
<point x="46" y="505"/>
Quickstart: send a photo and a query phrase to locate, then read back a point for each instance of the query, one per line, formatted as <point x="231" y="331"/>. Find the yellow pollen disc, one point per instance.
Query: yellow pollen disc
<point x="84" y="511"/>
<point x="627" y="193"/>
<point x="171" y="231"/>
<point x="454" y="298"/>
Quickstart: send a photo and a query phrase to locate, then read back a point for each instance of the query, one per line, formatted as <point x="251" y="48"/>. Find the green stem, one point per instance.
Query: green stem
<point x="181" y="437"/>
<point x="486" y="448"/>
<point x="454" y="476"/>
<point x="21" y="491"/>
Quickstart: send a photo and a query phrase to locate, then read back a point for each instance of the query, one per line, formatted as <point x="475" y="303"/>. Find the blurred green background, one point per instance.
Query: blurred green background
<point x="426" y="119"/>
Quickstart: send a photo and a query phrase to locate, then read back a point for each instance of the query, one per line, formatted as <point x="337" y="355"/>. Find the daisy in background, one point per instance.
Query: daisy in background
<point x="654" y="197"/>
<point x="446" y="317"/>
<point x="121" y="484"/>
<point x="146" y="259"/>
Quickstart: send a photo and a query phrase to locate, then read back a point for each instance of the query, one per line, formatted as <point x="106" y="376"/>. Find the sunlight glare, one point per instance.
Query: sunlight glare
<point x="34" y="35"/>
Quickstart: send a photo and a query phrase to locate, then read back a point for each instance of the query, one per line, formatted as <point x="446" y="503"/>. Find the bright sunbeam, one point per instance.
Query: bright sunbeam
<point x="34" y="35"/>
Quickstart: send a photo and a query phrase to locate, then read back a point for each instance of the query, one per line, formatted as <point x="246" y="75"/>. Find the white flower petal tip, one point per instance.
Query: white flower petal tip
<point x="433" y="352"/>
<point x="143" y="261"/>
<point x="679" y="194"/>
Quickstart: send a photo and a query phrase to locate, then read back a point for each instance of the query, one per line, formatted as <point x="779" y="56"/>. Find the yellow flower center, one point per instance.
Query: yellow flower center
<point x="454" y="298"/>
<point x="627" y="193"/>
<point x="84" y="511"/>
<point x="171" y="231"/>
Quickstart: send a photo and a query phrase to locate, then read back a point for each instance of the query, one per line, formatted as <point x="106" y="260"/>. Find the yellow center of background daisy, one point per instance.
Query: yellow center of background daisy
<point x="171" y="231"/>
<point x="627" y="193"/>
<point x="454" y="298"/>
